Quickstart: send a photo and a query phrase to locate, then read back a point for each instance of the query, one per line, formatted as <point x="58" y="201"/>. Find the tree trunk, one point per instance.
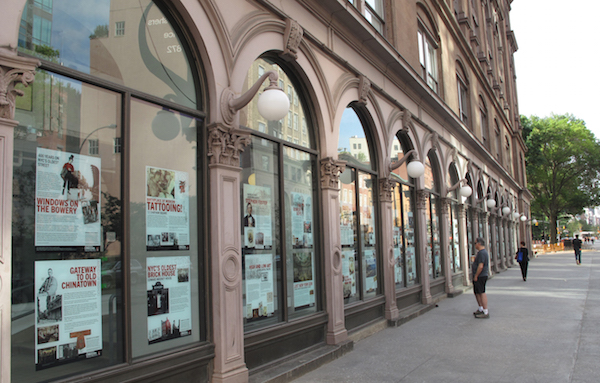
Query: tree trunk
<point x="553" y="233"/>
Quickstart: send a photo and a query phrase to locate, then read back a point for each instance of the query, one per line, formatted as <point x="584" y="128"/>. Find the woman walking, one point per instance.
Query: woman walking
<point x="523" y="259"/>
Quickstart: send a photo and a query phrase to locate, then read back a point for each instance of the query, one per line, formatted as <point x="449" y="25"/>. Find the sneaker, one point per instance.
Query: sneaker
<point x="477" y="312"/>
<point x="482" y="315"/>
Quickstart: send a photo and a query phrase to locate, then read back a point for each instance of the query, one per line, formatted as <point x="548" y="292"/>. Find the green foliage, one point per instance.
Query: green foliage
<point x="47" y="51"/>
<point x="563" y="166"/>
<point x="100" y="31"/>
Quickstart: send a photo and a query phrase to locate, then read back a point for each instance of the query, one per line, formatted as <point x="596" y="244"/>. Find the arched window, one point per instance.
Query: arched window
<point x="404" y="240"/>
<point x="432" y="185"/>
<point x="358" y="219"/>
<point x="102" y="203"/>
<point x="280" y="259"/>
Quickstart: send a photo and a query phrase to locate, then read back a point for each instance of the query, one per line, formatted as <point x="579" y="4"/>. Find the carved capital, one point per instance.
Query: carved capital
<point x="386" y="186"/>
<point x="406" y="120"/>
<point x="225" y="144"/>
<point x="422" y="199"/>
<point x="364" y="87"/>
<point x="292" y="39"/>
<point x="330" y="172"/>
<point x="14" y="70"/>
<point x="445" y="204"/>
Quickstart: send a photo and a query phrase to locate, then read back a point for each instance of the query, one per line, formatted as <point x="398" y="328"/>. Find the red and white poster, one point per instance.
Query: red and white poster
<point x="68" y="311"/>
<point x="67" y="201"/>
<point x="169" y="298"/>
<point x="167" y="209"/>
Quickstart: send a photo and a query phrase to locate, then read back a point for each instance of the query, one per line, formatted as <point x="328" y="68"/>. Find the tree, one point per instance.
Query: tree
<point x="563" y="166"/>
<point x="100" y="31"/>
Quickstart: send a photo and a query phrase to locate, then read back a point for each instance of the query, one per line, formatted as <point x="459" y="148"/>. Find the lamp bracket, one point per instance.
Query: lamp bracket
<point x="456" y="185"/>
<point x="231" y="105"/>
<point x="397" y="164"/>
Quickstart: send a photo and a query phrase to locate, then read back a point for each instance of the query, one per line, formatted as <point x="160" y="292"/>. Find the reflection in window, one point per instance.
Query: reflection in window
<point x="278" y="228"/>
<point x="286" y="129"/>
<point x="357" y="213"/>
<point x="51" y="169"/>
<point x="77" y="36"/>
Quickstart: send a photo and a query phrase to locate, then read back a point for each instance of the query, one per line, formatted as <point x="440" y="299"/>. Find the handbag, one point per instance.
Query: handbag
<point x="519" y="256"/>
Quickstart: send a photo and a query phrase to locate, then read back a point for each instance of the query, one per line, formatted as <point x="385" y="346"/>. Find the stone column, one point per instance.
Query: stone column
<point x="422" y="199"/>
<point x="334" y="289"/>
<point x="386" y="188"/>
<point x="491" y="246"/>
<point x="224" y="146"/>
<point x="13" y="70"/>
<point x="445" y="226"/>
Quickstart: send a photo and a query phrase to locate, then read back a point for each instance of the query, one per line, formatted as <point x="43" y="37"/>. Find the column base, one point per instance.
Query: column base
<point x="337" y="336"/>
<point x="239" y="375"/>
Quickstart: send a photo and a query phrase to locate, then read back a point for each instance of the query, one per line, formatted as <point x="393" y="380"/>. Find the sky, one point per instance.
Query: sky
<point x="558" y="59"/>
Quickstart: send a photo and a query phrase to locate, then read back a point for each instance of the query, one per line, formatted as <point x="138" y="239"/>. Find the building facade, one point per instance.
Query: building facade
<point x="155" y="226"/>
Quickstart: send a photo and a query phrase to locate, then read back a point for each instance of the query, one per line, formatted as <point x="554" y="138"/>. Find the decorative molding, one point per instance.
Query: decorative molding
<point x="406" y="120"/>
<point x="330" y="172"/>
<point x="225" y="144"/>
<point x="364" y="87"/>
<point x="14" y="70"/>
<point x="422" y="198"/>
<point x="292" y="39"/>
<point x="386" y="186"/>
<point x="445" y="203"/>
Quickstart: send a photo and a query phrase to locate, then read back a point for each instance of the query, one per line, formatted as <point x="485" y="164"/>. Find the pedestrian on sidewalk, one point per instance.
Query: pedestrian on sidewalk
<point x="523" y="258"/>
<point x="480" y="272"/>
<point x="577" y="248"/>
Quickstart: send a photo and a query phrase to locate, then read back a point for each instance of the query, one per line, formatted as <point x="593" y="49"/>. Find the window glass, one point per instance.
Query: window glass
<point x="142" y="51"/>
<point x="349" y="233"/>
<point x="163" y="227"/>
<point x="428" y="181"/>
<point x="250" y="118"/>
<point x="435" y="233"/>
<point x="261" y="245"/>
<point x="352" y="143"/>
<point x="368" y="234"/>
<point x="454" y="242"/>
<point x="300" y="228"/>
<point x="66" y="215"/>
<point x="398" y="237"/>
<point x="409" y="232"/>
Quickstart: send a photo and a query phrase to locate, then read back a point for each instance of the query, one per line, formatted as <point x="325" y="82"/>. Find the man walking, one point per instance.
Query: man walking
<point x="577" y="248"/>
<point x="480" y="272"/>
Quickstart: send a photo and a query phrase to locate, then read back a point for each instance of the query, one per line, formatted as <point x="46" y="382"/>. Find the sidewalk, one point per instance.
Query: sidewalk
<point x="544" y="330"/>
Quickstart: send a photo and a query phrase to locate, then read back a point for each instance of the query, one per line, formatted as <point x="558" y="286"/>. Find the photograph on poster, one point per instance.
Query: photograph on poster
<point x="68" y="311"/>
<point x="304" y="287"/>
<point x="169" y="298"/>
<point x="167" y="212"/>
<point x="257" y="221"/>
<point x="348" y="275"/>
<point x="259" y="285"/>
<point x="67" y="202"/>
<point x="301" y="220"/>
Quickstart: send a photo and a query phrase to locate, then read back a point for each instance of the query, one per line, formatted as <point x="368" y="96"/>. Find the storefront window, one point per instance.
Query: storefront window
<point x="405" y="263"/>
<point x="357" y="215"/>
<point x="73" y="258"/>
<point x="279" y="226"/>
<point x="433" y="224"/>
<point x="453" y="240"/>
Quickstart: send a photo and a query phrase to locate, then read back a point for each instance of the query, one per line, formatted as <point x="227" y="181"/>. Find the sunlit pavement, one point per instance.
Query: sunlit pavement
<point x="545" y="330"/>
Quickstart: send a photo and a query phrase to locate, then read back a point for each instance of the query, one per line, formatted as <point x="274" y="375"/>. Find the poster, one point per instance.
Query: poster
<point x="67" y="202"/>
<point x="259" y="285"/>
<point x="257" y="223"/>
<point x="304" y="284"/>
<point x="169" y="298"/>
<point x="348" y="272"/>
<point x="167" y="210"/>
<point x="301" y="215"/>
<point x="371" y="270"/>
<point x="68" y="311"/>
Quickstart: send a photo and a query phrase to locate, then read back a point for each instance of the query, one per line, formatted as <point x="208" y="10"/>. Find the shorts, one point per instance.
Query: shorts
<point x="479" y="285"/>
